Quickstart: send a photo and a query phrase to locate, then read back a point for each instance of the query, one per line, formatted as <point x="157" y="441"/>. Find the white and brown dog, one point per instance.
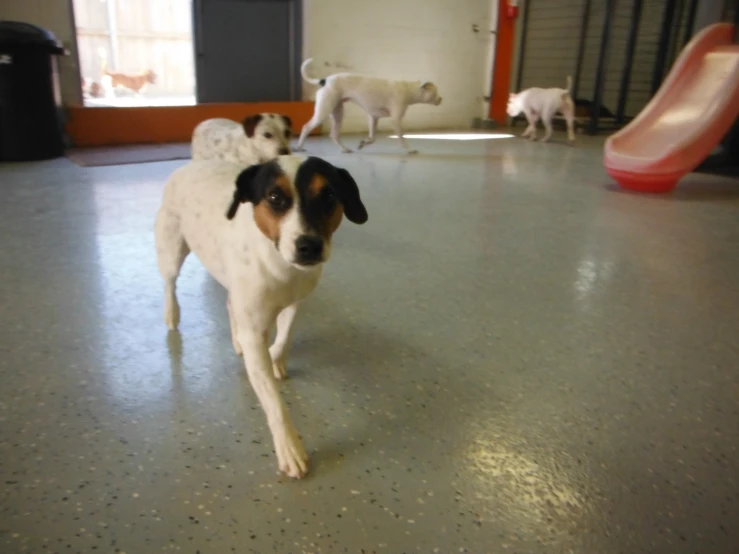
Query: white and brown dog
<point x="378" y="97"/>
<point x="264" y="233"/>
<point x="258" y="139"/>
<point x="543" y="103"/>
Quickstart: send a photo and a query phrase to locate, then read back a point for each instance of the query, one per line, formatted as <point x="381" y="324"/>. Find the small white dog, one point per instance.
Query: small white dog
<point x="264" y="233"/>
<point x="259" y="138"/>
<point x="378" y="97"/>
<point x="543" y="103"/>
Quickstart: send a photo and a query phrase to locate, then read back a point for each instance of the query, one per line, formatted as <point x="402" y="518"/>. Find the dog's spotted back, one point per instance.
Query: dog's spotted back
<point x="257" y="139"/>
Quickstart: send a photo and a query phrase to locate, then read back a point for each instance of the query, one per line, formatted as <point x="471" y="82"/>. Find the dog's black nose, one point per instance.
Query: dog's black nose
<point x="284" y="151"/>
<point x="309" y="249"/>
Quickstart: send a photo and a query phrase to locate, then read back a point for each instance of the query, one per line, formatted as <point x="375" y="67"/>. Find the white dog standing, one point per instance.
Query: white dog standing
<point x="543" y="103"/>
<point x="258" y="139"/>
<point x="264" y="233"/>
<point x="378" y="97"/>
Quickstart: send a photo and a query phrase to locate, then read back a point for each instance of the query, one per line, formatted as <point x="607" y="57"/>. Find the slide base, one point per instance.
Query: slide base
<point x="681" y="125"/>
<point x="644" y="182"/>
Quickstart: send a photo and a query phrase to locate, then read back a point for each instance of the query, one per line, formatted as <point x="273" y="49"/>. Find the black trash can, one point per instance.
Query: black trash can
<point x="30" y="101"/>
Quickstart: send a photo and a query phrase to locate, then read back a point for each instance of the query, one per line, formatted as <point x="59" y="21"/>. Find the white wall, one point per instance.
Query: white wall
<point x="56" y="16"/>
<point x="426" y="40"/>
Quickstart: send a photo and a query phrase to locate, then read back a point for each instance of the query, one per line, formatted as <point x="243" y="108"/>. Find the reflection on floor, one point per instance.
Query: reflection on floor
<point x="511" y="356"/>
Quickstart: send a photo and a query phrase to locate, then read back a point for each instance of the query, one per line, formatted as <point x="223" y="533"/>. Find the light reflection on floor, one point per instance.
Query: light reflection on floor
<point x="510" y="356"/>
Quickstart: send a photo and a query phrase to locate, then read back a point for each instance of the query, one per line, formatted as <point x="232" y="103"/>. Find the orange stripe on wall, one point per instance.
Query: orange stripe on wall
<point x="113" y="126"/>
<point x="503" y="63"/>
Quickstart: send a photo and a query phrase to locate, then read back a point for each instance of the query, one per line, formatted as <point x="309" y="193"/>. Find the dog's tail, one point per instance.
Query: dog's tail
<point x="304" y="74"/>
<point x="569" y="84"/>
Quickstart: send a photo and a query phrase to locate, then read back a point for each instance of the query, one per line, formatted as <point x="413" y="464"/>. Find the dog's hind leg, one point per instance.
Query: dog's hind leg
<point x="372" y="128"/>
<point x="307" y="130"/>
<point x="337" y="116"/>
<point x="278" y="350"/>
<point x="171" y="253"/>
<point x="325" y="105"/>
<point x="547" y="117"/>
<point x="568" y="110"/>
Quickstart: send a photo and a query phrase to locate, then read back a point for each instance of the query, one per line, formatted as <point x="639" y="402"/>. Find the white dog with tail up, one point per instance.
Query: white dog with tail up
<point x="378" y="97"/>
<point x="543" y="103"/>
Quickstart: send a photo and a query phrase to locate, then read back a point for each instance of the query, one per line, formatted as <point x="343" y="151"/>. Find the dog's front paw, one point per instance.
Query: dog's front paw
<point x="291" y="456"/>
<point x="279" y="367"/>
<point x="346" y="150"/>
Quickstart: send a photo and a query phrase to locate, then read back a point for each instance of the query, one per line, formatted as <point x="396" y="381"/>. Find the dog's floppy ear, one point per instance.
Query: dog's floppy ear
<point x="348" y="193"/>
<point x="428" y="85"/>
<point x="245" y="189"/>
<point x="250" y="123"/>
<point x="288" y="121"/>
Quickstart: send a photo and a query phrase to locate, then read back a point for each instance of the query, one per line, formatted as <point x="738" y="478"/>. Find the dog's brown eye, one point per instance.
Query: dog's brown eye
<point x="268" y="135"/>
<point x="329" y="198"/>
<point x="277" y="200"/>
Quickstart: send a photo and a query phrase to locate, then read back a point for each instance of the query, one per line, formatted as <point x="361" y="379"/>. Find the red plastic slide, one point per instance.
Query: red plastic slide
<point x="692" y="111"/>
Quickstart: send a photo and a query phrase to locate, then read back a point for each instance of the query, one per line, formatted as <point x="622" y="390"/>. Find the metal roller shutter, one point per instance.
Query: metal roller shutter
<point x="551" y="41"/>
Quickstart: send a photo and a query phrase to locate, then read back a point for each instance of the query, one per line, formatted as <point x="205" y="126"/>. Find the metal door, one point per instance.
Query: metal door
<point x="246" y="50"/>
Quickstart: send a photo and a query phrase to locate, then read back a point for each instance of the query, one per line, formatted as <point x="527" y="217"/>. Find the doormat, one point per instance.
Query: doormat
<point x="133" y="154"/>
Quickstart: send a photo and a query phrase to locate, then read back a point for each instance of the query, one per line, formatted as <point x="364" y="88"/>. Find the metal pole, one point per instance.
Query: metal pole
<point x="293" y="63"/>
<point x="112" y="34"/>
<point x="707" y="13"/>
<point x="581" y="47"/>
<point x="675" y="38"/>
<point x="600" y="75"/>
<point x="522" y="45"/>
<point x="726" y="7"/>
<point x="629" y="61"/>
<point x="692" y="10"/>
<point x="663" y="45"/>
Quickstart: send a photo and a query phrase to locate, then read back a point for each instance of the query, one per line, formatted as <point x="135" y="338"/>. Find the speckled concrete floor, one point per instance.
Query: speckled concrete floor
<point x="509" y="357"/>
